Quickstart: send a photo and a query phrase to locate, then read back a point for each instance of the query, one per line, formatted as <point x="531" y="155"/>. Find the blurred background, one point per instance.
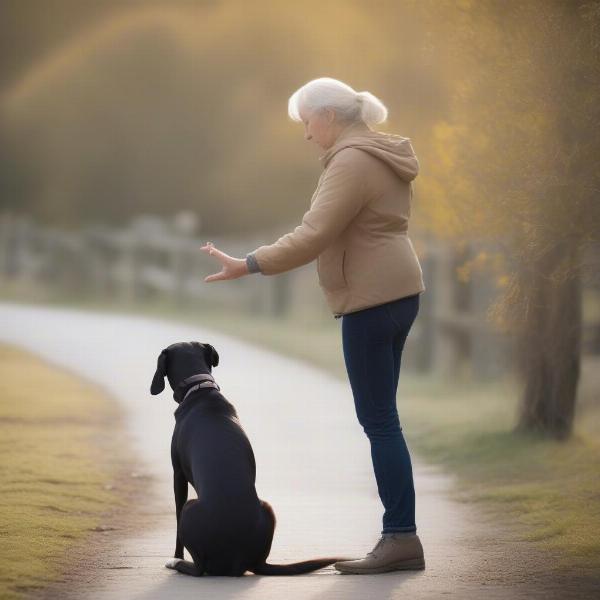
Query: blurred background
<point x="132" y="132"/>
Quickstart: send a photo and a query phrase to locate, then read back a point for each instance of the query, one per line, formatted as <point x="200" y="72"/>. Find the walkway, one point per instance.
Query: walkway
<point x="313" y="466"/>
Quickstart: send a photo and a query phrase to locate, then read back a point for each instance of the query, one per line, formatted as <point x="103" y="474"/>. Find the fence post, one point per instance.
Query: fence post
<point x="6" y="245"/>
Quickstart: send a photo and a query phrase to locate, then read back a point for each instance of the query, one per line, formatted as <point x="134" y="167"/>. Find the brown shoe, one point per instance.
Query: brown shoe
<point x="394" y="552"/>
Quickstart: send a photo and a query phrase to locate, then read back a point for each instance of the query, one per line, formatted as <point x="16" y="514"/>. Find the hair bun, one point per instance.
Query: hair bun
<point x="348" y="104"/>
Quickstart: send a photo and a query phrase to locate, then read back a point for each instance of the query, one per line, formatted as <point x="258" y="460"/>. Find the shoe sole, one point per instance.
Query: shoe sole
<point x="405" y="565"/>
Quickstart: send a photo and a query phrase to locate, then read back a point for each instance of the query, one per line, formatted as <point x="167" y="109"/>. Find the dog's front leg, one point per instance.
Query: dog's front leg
<point x="180" y="487"/>
<point x="184" y="566"/>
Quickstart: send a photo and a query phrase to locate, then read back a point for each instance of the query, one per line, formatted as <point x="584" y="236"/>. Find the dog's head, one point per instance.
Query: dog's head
<point x="181" y="360"/>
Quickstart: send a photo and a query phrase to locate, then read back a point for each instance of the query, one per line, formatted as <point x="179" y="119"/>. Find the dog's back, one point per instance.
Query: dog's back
<point x="211" y="448"/>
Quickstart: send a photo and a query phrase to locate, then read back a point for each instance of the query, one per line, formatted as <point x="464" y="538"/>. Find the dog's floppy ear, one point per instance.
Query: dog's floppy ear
<point x="211" y="355"/>
<point x="158" y="381"/>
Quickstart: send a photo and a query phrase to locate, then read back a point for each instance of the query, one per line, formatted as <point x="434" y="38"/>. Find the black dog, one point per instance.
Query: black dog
<point x="228" y="530"/>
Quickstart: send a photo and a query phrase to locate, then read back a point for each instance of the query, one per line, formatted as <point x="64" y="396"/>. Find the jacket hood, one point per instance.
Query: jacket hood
<point x="395" y="150"/>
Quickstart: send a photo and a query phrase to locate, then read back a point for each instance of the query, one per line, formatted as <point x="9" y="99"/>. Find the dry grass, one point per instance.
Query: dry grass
<point x="56" y="481"/>
<point x="551" y="488"/>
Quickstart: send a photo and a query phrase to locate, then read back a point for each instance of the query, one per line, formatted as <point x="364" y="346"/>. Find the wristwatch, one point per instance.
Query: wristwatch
<point x="252" y="263"/>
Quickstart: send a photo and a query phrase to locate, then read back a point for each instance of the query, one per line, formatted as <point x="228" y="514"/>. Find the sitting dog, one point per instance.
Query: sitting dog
<point x="228" y="529"/>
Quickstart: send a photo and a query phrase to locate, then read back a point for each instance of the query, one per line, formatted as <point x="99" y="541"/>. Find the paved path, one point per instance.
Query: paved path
<point x="313" y="465"/>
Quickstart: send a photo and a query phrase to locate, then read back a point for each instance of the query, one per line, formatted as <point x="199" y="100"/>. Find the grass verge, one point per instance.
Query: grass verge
<point x="61" y="469"/>
<point x="550" y="488"/>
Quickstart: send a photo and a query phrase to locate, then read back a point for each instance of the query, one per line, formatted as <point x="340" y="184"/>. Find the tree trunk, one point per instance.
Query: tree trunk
<point x="549" y="344"/>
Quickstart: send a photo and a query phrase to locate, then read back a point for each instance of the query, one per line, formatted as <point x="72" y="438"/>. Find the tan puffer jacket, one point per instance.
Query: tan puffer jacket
<point x="357" y="225"/>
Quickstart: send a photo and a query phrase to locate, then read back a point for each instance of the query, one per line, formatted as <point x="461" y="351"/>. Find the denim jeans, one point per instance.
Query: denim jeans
<point x="373" y="339"/>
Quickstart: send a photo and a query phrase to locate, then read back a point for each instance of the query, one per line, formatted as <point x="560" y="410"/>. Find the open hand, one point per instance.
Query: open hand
<point x="231" y="268"/>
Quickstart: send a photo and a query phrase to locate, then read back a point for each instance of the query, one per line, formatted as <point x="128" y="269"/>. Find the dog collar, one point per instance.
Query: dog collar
<point x="205" y="379"/>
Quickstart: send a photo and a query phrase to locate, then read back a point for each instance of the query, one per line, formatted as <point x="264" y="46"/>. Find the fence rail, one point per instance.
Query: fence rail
<point x="153" y="257"/>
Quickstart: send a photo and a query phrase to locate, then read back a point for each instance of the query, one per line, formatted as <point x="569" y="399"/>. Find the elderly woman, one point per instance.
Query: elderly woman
<point x="356" y="228"/>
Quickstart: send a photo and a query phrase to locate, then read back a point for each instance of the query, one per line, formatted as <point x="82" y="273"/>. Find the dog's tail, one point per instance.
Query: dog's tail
<point x="297" y="568"/>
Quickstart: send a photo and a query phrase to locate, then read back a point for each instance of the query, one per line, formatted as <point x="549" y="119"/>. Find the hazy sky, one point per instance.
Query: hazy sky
<point x="30" y="28"/>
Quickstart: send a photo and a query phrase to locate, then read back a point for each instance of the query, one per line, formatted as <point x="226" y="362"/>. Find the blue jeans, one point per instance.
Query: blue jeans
<point x="373" y="339"/>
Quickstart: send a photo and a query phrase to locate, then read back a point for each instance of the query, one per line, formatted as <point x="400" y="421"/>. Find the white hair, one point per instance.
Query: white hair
<point x="348" y="104"/>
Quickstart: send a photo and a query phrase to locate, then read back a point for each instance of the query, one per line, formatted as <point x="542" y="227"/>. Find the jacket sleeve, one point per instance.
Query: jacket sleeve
<point x="340" y="196"/>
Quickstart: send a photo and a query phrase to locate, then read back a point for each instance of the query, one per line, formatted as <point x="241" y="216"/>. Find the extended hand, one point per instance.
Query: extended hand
<point x="231" y="268"/>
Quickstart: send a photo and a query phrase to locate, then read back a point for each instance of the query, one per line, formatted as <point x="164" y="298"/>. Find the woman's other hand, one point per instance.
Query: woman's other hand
<point x="231" y="268"/>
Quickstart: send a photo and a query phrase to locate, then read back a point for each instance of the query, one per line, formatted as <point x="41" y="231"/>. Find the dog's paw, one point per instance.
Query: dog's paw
<point x="172" y="564"/>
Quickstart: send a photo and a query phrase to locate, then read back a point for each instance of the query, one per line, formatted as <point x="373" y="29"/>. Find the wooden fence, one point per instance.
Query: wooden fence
<point x="156" y="258"/>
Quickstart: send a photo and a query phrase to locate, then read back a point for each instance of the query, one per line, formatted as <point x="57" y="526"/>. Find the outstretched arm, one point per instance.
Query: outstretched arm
<point x="341" y="194"/>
